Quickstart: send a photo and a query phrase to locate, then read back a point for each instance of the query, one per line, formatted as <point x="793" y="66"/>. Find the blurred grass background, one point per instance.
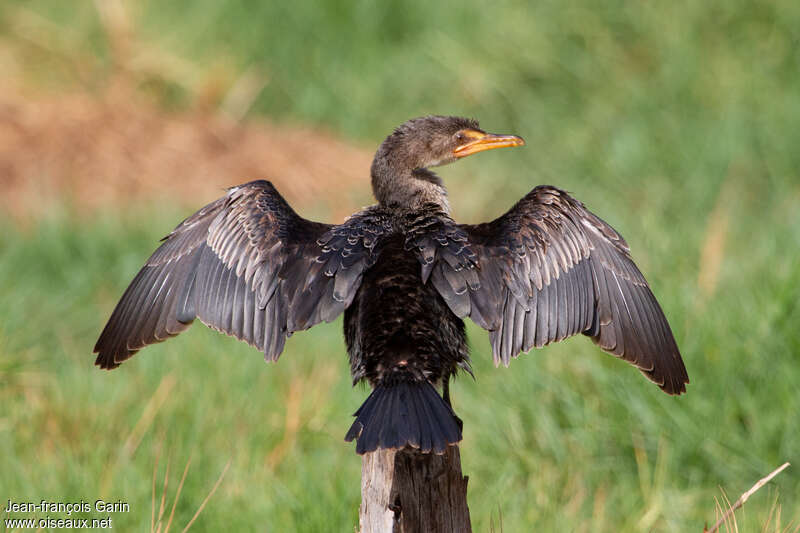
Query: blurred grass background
<point x="676" y="122"/>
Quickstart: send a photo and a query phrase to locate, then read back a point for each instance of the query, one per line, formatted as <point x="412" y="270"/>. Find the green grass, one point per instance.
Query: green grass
<point x="565" y="438"/>
<point x="677" y="123"/>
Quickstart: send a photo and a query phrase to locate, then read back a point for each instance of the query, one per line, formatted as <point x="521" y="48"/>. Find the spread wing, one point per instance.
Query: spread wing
<point x="246" y="265"/>
<point x="549" y="269"/>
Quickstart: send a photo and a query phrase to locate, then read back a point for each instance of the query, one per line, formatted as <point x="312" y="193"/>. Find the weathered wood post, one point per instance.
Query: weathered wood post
<point x="406" y="491"/>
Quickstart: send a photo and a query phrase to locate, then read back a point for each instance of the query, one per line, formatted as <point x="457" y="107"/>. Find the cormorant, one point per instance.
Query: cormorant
<point x="405" y="274"/>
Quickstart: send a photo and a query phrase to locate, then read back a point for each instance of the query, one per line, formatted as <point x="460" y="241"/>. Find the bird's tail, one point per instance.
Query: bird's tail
<point x="405" y="414"/>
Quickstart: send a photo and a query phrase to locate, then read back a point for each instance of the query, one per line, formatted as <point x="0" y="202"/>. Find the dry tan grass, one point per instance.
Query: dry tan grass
<point x="157" y="524"/>
<point x="116" y="149"/>
<point x="728" y="517"/>
<point x="99" y="139"/>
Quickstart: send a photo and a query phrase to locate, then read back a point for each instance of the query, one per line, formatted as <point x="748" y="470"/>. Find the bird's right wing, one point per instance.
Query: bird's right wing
<point x="246" y="265"/>
<point x="549" y="269"/>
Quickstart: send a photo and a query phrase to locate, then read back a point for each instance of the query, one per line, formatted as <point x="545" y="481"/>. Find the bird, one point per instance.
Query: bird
<point x="406" y="275"/>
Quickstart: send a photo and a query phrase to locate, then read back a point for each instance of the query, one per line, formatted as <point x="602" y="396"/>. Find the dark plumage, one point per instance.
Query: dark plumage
<point x="406" y="274"/>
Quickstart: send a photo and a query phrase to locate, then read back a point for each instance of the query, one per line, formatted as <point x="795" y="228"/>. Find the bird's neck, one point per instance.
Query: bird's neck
<point x="406" y="188"/>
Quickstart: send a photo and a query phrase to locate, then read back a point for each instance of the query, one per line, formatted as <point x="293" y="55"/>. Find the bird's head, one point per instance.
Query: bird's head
<point x="399" y="170"/>
<point x="435" y="140"/>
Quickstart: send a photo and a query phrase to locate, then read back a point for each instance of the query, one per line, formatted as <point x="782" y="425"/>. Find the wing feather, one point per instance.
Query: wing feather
<point x="245" y="265"/>
<point x="549" y="269"/>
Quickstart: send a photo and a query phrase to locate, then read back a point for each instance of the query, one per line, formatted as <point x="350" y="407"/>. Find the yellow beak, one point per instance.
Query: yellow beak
<point x="487" y="141"/>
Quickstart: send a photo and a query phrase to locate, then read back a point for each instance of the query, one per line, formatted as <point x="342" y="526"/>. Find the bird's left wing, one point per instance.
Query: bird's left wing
<point x="246" y="265"/>
<point x="549" y="269"/>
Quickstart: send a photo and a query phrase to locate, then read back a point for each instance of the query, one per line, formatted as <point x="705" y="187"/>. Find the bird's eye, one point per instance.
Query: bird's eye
<point x="460" y="136"/>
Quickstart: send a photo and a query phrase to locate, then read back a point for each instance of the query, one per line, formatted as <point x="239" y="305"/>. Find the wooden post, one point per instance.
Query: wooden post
<point x="407" y="491"/>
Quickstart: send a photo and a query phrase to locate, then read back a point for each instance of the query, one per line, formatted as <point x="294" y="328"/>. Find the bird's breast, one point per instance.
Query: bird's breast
<point x="397" y="322"/>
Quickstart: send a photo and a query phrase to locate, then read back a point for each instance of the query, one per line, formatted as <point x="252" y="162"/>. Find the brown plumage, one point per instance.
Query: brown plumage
<point x="406" y="274"/>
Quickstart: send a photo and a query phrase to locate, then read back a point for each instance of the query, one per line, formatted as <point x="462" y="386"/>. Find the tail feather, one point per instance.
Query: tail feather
<point x="405" y="414"/>
<point x="425" y="418"/>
